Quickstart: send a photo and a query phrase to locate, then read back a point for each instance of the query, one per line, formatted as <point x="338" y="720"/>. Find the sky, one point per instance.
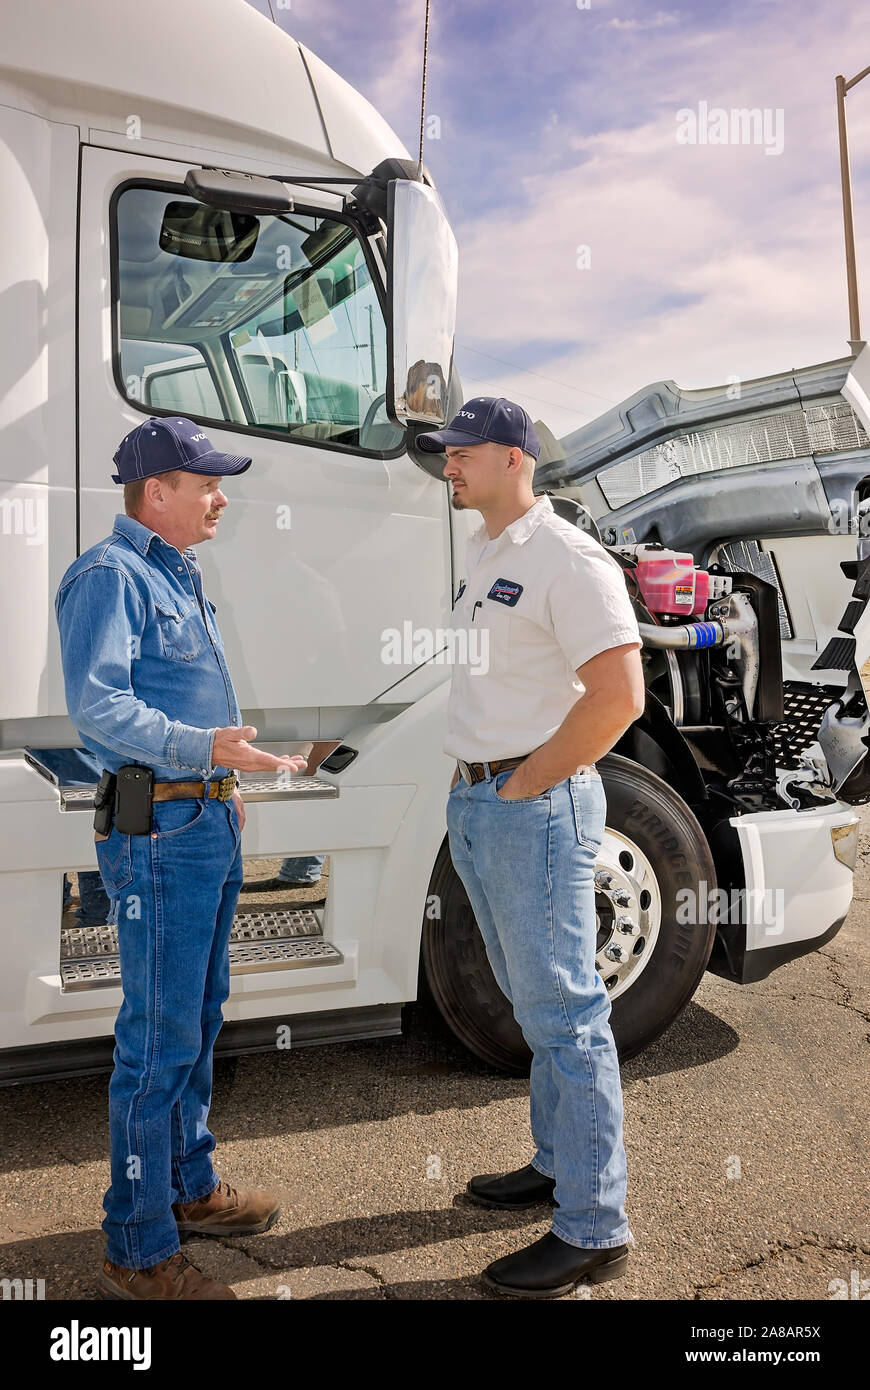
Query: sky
<point x="604" y="243"/>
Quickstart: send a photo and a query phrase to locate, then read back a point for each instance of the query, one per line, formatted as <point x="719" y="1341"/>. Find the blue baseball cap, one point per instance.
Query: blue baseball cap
<point x="485" y="419"/>
<point x="164" y="443"/>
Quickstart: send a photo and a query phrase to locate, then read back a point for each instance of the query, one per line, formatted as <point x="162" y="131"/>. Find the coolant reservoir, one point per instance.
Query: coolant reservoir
<point x="669" y="582"/>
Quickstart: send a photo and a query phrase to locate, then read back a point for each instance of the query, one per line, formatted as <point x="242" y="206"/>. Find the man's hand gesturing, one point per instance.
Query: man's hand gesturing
<point x="231" y="748"/>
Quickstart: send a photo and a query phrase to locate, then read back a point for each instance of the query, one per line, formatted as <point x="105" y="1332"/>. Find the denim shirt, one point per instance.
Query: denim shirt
<point x="144" y="668"/>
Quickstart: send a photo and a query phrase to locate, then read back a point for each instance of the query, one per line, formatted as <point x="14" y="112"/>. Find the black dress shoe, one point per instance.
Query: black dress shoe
<point x="551" y="1267"/>
<point x="512" y="1191"/>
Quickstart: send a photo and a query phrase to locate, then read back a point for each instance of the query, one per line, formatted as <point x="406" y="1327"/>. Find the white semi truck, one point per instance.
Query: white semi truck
<point x="197" y="216"/>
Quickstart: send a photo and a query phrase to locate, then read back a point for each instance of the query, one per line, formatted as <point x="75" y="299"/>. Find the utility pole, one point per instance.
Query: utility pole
<point x="855" y="340"/>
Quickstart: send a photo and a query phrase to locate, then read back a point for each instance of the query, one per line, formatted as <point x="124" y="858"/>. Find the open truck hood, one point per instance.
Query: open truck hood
<point x="767" y="475"/>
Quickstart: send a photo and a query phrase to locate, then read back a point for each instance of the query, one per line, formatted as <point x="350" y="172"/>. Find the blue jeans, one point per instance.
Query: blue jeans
<point x="528" y="868"/>
<point x="174" y="896"/>
<point x="303" y="869"/>
<point x="94" y="909"/>
<point x="76" y="767"/>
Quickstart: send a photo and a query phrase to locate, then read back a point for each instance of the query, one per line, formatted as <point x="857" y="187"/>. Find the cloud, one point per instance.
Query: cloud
<point x="395" y="88"/>
<point x="559" y="131"/>
<point x="705" y="262"/>
<point x="656" y="21"/>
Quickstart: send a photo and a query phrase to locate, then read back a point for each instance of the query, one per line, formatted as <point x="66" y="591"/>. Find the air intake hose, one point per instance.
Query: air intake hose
<point x="689" y="635"/>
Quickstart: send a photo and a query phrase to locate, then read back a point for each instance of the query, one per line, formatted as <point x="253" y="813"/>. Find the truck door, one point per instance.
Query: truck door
<point x="272" y="336"/>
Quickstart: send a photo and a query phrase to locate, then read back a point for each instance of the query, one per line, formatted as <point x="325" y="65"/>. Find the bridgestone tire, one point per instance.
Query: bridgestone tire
<point x="456" y="973"/>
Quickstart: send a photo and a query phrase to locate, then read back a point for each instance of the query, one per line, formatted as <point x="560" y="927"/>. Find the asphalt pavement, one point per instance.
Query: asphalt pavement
<point x="745" y="1128"/>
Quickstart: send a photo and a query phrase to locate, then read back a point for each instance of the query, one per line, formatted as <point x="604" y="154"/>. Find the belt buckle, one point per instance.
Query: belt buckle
<point x="226" y="787"/>
<point x="464" y="772"/>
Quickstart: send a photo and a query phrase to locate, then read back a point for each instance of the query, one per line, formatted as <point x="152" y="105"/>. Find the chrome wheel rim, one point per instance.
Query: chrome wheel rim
<point x="628" y="912"/>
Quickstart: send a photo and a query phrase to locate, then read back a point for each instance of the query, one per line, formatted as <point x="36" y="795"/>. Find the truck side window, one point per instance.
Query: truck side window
<point x="164" y="376"/>
<point x="280" y="329"/>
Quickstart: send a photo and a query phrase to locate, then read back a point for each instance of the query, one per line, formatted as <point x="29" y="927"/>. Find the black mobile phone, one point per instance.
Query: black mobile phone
<point x="133" y="800"/>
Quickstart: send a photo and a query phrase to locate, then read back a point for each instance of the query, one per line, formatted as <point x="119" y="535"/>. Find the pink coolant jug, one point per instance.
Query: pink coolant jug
<point x="669" y="582"/>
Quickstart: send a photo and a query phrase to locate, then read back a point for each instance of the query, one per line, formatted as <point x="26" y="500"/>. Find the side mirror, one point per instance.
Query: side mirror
<point x="422" y="281"/>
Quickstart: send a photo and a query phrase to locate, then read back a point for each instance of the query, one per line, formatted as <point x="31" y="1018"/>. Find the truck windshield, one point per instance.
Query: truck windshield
<point x="288" y="337"/>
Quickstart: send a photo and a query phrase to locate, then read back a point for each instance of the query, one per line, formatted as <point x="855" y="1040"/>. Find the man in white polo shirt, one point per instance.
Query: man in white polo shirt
<point x="559" y="681"/>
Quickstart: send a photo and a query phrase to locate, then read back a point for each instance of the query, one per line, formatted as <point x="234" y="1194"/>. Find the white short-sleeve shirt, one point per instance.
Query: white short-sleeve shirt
<point x="544" y="598"/>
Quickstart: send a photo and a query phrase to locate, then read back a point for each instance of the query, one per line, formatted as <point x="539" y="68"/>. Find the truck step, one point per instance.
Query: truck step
<point x="281" y="939"/>
<point x="253" y="789"/>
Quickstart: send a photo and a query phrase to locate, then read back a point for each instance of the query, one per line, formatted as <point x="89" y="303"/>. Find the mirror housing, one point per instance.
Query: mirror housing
<point x="235" y="192"/>
<point x="422" y="283"/>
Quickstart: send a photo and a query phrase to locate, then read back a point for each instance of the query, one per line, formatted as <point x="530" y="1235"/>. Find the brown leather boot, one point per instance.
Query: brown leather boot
<point x="173" y="1278"/>
<point x="226" y="1212"/>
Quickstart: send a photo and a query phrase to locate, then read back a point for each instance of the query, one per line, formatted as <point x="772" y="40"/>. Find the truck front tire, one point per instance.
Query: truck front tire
<point x="653" y="848"/>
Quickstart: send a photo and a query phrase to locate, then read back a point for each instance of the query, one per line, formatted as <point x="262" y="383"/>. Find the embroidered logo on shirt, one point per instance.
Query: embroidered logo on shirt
<point x="506" y="591"/>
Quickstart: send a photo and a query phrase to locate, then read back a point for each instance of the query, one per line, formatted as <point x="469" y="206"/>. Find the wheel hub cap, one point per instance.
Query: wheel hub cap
<point x="628" y="911"/>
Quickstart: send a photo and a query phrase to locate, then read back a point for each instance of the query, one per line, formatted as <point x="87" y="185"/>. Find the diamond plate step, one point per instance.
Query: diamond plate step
<point x="283" y="939"/>
<point x="89" y="974"/>
<point x="278" y="955"/>
<point x="271" y="923"/>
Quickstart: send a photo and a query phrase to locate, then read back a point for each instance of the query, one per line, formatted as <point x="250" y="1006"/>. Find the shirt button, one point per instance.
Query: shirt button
<point x="179" y="569"/>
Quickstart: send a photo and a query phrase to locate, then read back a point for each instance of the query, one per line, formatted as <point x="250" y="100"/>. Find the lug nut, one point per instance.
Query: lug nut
<point x="622" y="897"/>
<point x="603" y="880"/>
<point x="627" y="925"/>
<point x="617" y="953"/>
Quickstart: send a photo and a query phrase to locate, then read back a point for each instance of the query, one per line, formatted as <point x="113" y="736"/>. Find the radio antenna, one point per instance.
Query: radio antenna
<point x="423" y="93"/>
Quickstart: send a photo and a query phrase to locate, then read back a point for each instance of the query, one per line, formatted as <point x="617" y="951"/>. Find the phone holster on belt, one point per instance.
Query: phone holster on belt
<point x="104" y="805"/>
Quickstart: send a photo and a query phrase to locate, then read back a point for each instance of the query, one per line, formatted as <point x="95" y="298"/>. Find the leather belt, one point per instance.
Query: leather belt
<point x="479" y="772"/>
<point x="221" y="789"/>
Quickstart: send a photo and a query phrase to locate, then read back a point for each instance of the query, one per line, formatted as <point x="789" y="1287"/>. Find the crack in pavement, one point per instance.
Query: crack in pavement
<point x="825" y="998"/>
<point x="370" y="1270"/>
<point x="833" y="964"/>
<point x="270" y="1267"/>
<point x="831" y="970"/>
<point x="229" y="1244"/>
<point x="777" y="1251"/>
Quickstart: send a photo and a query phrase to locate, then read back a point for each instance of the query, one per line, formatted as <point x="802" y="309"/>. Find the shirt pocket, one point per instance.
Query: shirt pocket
<point x="181" y="634"/>
<point x="489" y="638"/>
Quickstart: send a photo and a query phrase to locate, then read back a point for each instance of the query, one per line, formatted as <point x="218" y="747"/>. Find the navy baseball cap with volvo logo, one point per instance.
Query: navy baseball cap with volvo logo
<point x="486" y="419"/>
<point x="164" y="443"/>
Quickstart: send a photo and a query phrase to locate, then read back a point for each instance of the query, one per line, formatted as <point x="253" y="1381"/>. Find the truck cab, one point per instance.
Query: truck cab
<point x="308" y="322"/>
<point x="212" y="223"/>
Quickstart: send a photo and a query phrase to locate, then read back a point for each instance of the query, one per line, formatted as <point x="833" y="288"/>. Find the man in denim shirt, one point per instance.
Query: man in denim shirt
<point x="147" y="683"/>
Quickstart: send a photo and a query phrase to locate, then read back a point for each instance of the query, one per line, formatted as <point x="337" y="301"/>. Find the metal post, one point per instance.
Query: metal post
<point x="855" y="340"/>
